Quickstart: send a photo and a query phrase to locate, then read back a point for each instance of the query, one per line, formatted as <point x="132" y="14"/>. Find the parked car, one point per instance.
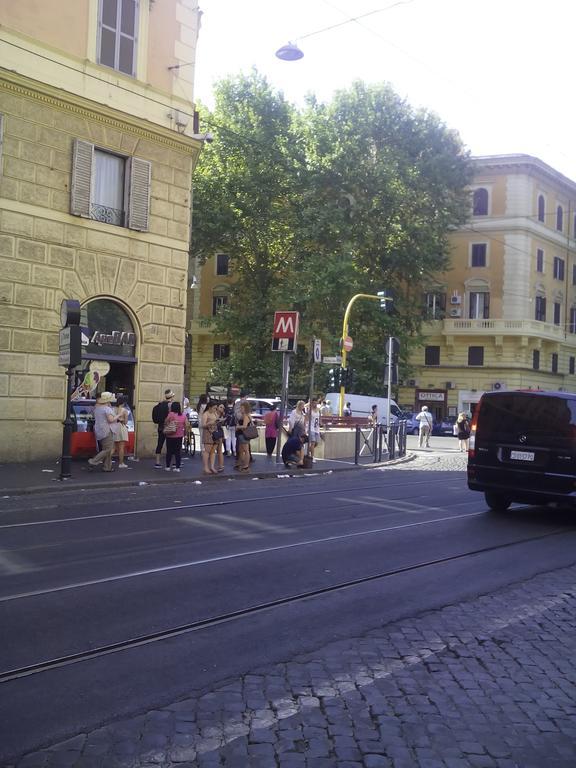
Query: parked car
<point x="412" y="425"/>
<point x="445" y="427"/>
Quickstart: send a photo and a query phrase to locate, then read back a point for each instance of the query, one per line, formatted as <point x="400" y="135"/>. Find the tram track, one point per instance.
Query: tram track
<point x="92" y="654"/>
<point x="219" y="503"/>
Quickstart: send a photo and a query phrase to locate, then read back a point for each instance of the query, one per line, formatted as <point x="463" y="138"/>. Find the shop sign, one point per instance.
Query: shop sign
<point x="115" y="338"/>
<point x="432" y="396"/>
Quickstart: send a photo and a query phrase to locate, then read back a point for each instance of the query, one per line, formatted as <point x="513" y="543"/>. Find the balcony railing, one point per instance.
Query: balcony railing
<point x="107" y="215"/>
<point x="498" y="327"/>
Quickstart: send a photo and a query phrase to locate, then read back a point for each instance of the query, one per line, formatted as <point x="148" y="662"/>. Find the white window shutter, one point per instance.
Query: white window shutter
<point x="138" y="203"/>
<point x="82" y="163"/>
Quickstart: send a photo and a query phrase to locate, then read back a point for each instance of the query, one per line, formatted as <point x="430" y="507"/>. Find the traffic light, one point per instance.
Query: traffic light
<point x="392" y="356"/>
<point x="351" y="379"/>
<point x="334" y="378"/>
<point x="385" y="297"/>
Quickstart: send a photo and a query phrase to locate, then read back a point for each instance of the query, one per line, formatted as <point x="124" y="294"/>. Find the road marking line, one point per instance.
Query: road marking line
<point x="227" y="529"/>
<point x="233" y="556"/>
<point x="11" y="564"/>
<point x="255" y="524"/>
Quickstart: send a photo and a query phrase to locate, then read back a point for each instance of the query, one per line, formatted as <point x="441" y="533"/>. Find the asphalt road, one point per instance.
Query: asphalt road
<point x="86" y="573"/>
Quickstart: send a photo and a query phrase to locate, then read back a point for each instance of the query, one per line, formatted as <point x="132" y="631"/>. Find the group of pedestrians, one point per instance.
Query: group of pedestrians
<point x="110" y="430"/>
<point x="225" y="429"/>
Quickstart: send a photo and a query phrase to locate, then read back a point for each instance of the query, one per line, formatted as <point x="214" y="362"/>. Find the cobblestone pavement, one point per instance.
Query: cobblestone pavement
<point x="487" y="683"/>
<point x="439" y="460"/>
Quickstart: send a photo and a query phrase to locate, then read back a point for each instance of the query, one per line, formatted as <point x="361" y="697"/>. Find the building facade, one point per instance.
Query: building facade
<point x="97" y="155"/>
<point x="504" y="316"/>
<point x="209" y="294"/>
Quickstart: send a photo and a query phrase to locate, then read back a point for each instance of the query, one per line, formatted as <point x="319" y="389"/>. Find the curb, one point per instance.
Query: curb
<point x="77" y="484"/>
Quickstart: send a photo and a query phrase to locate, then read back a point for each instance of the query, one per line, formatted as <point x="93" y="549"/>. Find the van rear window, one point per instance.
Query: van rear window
<point x="514" y="412"/>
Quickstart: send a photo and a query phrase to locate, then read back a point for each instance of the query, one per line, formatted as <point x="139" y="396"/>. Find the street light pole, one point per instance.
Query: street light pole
<point x="345" y="334"/>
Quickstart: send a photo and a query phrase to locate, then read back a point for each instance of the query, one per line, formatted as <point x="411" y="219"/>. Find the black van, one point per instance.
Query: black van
<point x="523" y="448"/>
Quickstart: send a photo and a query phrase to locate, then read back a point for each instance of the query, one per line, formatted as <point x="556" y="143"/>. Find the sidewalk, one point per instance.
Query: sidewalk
<point x="43" y="476"/>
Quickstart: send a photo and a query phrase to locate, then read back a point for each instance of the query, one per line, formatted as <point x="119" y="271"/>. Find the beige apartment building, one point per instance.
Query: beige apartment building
<point x="209" y="293"/>
<point x="504" y="315"/>
<point x="97" y="155"/>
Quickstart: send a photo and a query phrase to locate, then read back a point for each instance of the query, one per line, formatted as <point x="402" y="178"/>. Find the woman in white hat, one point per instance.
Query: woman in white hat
<point x="104" y="416"/>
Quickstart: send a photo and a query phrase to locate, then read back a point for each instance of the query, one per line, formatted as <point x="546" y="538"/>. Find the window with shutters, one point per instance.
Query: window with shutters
<point x="572" y="323"/>
<point x="475" y="355"/>
<point x="117" y="27"/>
<point x="554" y="362"/>
<point x="479" y="305"/>
<point x="222" y="264"/>
<point x="221" y="351"/>
<point x="541" y="208"/>
<point x="480" y="202"/>
<point x="107" y="202"/>
<point x="539" y="260"/>
<point x="558" y="268"/>
<point x="218" y="302"/>
<point x="571" y="365"/>
<point x="435" y="305"/>
<point x="478" y="253"/>
<point x="110" y="188"/>
<point x="540" y="308"/>
<point x="536" y="359"/>
<point x="431" y="355"/>
<point x="557" y="312"/>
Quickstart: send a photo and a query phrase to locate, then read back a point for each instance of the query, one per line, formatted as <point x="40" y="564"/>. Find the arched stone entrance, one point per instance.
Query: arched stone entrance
<point x="109" y="337"/>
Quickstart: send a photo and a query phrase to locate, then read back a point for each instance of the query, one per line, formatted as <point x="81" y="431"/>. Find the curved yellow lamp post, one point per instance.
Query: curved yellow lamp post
<point x="381" y="298"/>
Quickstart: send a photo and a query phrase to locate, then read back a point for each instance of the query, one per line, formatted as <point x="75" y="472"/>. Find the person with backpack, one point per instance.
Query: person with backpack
<point x="159" y="414"/>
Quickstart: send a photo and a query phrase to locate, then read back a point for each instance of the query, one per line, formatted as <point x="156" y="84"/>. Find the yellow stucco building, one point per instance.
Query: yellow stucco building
<point x="97" y="155"/>
<point x="504" y="316"/>
<point x="209" y="293"/>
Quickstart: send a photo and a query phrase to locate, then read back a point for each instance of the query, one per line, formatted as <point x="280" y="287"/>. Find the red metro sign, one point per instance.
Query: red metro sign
<point x="285" y="335"/>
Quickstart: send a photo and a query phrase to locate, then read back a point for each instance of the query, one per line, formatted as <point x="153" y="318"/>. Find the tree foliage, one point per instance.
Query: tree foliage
<point x="316" y="205"/>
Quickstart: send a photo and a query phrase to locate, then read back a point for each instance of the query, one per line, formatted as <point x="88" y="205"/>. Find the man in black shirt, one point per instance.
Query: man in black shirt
<point x="159" y="413"/>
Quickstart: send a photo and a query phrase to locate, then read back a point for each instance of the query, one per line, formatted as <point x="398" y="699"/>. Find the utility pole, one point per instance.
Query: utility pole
<point x="346" y="341"/>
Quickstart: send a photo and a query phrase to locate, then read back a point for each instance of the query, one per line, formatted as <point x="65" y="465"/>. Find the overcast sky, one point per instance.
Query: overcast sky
<point x="500" y="72"/>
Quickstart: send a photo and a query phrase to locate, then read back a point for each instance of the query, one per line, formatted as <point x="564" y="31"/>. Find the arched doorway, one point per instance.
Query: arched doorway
<point x="109" y="337"/>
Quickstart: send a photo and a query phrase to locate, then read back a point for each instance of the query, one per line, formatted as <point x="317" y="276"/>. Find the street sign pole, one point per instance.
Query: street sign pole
<point x="66" y="458"/>
<point x="283" y="401"/>
<point x="69" y="356"/>
<point x="316" y="358"/>
<point x="389" y="385"/>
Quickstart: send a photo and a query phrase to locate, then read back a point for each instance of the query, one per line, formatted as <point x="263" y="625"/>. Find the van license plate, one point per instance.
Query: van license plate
<point x="522" y="455"/>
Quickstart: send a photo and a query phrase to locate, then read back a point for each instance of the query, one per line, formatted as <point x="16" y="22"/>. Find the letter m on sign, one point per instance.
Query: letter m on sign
<point x="285" y="335"/>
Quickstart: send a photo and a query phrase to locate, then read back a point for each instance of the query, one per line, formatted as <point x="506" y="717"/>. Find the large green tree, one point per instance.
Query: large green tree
<point x="314" y="206"/>
<point x="244" y="193"/>
<point x="386" y="185"/>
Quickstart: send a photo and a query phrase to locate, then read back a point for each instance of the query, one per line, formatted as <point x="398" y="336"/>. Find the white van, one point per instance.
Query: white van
<point x="361" y="406"/>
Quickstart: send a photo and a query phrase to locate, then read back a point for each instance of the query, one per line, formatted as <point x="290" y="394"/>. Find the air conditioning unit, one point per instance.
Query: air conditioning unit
<point x="497" y="385"/>
<point x="456" y="312"/>
<point x="450" y="385"/>
<point x="455" y="299"/>
<point x="411" y="383"/>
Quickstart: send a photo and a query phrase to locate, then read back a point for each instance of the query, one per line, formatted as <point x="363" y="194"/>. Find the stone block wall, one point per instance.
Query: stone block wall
<point x="46" y="255"/>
